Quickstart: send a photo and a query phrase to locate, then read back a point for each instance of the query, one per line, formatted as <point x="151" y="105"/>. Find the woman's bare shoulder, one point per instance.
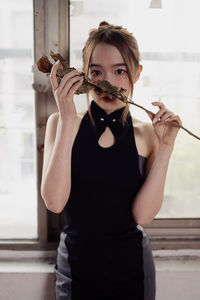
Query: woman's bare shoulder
<point x="143" y="127"/>
<point x="145" y="131"/>
<point x="53" y="123"/>
<point x="81" y="114"/>
<point x="55" y="116"/>
<point x="79" y="117"/>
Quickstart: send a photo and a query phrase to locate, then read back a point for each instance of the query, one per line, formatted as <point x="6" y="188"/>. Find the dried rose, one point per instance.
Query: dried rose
<point x="44" y="65"/>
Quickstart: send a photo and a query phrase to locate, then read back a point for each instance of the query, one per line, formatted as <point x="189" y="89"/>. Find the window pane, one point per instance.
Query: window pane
<point x="169" y="45"/>
<point x="18" y="195"/>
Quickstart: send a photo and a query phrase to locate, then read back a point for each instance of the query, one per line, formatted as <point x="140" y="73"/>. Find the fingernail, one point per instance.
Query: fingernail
<point x="168" y="119"/>
<point x="155" y="120"/>
<point x="56" y="63"/>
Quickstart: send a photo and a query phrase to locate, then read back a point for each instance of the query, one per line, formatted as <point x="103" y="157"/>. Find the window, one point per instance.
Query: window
<point x="24" y="112"/>
<point x="18" y="189"/>
<point x="169" y="48"/>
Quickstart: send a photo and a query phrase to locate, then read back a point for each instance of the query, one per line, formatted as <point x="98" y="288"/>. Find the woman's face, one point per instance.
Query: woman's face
<point x="107" y="63"/>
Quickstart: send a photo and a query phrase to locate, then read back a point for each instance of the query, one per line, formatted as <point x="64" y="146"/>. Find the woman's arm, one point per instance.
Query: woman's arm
<point x="56" y="174"/>
<point x="149" y="198"/>
<point x="59" y="137"/>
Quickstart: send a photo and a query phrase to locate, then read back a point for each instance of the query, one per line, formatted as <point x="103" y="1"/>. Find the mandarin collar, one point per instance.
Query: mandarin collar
<point x="112" y="120"/>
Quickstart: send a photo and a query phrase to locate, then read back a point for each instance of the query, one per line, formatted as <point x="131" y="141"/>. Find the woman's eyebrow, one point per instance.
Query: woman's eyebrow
<point x="94" y="65"/>
<point x="118" y="65"/>
<point x="115" y="65"/>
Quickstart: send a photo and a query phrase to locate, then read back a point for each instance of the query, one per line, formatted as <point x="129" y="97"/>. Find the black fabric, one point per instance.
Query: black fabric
<point x="104" y="243"/>
<point x="112" y="120"/>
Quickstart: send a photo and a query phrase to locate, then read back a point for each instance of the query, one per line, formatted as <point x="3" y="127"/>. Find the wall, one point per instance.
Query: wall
<point x="177" y="277"/>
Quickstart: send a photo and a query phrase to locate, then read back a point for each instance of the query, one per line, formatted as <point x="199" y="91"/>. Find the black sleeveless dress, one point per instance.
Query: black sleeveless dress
<point x="103" y="241"/>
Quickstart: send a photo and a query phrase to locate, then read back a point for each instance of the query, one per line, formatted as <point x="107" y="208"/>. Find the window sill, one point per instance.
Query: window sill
<point x="27" y="245"/>
<point x="157" y="243"/>
<point x="27" y="256"/>
<point x="34" y="261"/>
<point x="177" y="260"/>
<point x="26" y="267"/>
<point x="15" y="261"/>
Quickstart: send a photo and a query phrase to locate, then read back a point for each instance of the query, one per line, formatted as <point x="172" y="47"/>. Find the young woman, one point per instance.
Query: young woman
<point x="107" y="171"/>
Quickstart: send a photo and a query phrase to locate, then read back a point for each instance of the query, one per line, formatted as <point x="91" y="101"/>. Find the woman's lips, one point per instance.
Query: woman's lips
<point x="107" y="99"/>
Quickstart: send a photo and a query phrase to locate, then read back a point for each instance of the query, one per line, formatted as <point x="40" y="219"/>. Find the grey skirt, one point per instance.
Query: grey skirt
<point x="62" y="270"/>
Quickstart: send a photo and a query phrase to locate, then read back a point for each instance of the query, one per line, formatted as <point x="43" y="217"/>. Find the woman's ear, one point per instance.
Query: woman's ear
<point x="137" y="75"/>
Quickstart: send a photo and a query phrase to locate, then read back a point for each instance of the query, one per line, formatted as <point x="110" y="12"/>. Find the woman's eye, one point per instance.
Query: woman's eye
<point x="120" y="71"/>
<point x="95" y="73"/>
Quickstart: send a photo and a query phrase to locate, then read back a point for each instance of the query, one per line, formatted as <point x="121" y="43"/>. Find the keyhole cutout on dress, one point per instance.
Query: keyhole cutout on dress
<point x="107" y="138"/>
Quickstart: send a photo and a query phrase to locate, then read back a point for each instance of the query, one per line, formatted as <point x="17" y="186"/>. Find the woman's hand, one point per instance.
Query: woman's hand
<point x="64" y="92"/>
<point x="165" y="132"/>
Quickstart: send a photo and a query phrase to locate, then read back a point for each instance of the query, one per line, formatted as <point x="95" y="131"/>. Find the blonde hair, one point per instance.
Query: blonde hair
<point x="127" y="45"/>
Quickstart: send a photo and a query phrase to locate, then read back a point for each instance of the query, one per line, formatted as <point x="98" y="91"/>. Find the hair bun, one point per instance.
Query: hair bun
<point x="104" y="23"/>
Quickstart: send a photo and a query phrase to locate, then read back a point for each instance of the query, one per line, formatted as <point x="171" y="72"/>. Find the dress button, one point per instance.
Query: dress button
<point x="102" y="119"/>
<point x="113" y="120"/>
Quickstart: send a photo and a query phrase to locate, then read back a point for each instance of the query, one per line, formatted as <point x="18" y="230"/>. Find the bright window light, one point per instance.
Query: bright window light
<point x="18" y="188"/>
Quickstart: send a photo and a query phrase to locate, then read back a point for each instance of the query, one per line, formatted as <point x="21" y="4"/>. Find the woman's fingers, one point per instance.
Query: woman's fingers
<point x="69" y="84"/>
<point x="165" y="131"/>
<point x="163" y="114"/>
<point x="158" y="103"/>
<point x="74" y="88"/>
<point x="53" y="79"/>
<point x="159" y="114"/>
<point x="64" y="91"/>
<point x="67" y="77"/>
<point x="177" y="119"/>
<point x="59" y="87"/>
<point x="166" y="116"/>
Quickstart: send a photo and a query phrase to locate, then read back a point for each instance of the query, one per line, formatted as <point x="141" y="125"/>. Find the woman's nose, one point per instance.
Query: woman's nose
<point x="108" y="77"/>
